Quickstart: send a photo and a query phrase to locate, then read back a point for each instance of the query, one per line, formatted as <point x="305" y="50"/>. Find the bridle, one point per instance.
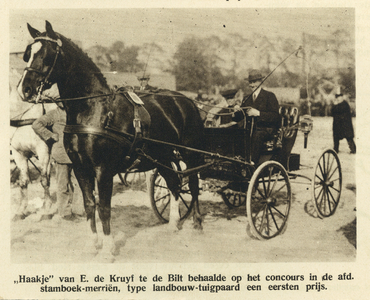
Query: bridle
<point x="45" y="83"/>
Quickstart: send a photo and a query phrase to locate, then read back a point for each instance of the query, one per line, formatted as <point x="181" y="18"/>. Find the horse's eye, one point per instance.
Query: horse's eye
<point x="48" y="60"/>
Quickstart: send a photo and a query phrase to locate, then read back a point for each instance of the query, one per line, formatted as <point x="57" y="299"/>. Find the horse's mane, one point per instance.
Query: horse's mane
<point x="82" y="56"/>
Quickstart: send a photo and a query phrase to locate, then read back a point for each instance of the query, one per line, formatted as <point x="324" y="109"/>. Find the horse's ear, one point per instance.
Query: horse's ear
<point x="33" y="32"/>
<point x="49" y="30"/>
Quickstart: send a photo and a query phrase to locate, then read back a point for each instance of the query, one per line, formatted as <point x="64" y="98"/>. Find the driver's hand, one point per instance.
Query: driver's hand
<point x="252" y="112"/>
<point x="237" y="108"/>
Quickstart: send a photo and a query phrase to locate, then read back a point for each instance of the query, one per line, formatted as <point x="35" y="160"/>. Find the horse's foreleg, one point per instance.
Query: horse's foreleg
<point x="86" y="182"/>
<point x="105" y="187"/>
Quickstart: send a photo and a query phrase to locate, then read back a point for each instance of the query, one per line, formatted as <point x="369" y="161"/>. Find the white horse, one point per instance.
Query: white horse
<point x="25" y="144"/>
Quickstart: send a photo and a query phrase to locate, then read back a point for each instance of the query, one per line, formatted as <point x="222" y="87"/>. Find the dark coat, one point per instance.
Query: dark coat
<point x="342" y="121"/>
<point x="268" y="106"/>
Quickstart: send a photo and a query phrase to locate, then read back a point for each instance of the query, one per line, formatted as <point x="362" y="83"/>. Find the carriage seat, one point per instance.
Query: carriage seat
<point x="289" y="117"/>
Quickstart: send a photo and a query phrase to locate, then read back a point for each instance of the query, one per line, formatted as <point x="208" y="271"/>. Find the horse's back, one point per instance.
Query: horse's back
<point x="174" y="117"/>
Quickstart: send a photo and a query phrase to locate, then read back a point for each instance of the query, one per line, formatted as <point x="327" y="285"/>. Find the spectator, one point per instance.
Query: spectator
<point x="50" y="128"/>
<point x="342" y="123"/>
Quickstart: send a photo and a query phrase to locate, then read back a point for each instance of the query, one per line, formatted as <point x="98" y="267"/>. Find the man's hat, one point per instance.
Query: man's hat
<point x="254" y="75"/>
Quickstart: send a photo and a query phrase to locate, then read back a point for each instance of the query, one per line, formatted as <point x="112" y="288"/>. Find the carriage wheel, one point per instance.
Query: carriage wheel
<point x="160" y="197"/>
<point x="233" y="199"/>
<point x="327" y="183"/>
<point x="268" y="200"/>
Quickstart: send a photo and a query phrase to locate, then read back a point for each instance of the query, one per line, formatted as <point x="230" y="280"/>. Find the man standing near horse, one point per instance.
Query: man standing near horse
<point x="50" y="128"/>
<point x="264" y="106"/>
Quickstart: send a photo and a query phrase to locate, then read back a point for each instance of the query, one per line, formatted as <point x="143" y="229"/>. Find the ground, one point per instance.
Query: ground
<point x="140" y="237"/>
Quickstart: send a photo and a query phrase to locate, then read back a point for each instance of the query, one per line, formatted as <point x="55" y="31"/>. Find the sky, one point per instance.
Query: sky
<point x="169" y="26"/>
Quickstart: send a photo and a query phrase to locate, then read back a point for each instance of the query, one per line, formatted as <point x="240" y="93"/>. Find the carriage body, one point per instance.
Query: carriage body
<point x="264" y="188"/>
<point x="235" y="142"/>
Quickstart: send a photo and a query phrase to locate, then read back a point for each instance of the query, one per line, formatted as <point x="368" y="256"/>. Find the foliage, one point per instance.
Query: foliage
<point x="203" y="63"/>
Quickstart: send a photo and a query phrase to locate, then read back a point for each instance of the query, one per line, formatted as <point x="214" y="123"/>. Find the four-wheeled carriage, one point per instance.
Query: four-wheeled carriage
<point x="265" y="188"/>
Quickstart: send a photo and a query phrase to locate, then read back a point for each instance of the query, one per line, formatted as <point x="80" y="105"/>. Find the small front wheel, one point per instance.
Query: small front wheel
<point x="160" y="197"/>
<point x="269" y="199"/>
<point x="233" y="199"/>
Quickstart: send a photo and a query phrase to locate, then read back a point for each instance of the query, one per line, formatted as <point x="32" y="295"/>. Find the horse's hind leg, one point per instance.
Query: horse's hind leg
<point x="173" y="184"/>
<point x="48" y="211"/>
<point x="194" y="190"/>
<point x="21" y="209"/>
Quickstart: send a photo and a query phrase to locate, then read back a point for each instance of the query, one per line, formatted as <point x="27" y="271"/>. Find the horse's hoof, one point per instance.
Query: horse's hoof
<point x="106" y="258"/>
<point x="46" y="217"/>
<point x="198" y="226"/>
<point x="173" y="228"/>
<point x="119" y="241"/>
<point x="19" y="217"/>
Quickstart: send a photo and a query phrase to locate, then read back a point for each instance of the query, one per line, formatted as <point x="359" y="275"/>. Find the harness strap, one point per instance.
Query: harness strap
<point x="136" y="122"/>
<point x="84" y="129"/>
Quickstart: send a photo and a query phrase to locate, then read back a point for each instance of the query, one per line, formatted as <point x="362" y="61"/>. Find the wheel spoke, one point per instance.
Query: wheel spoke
<point x="264" y="185"/>
<point x="273" y="218"/>
<point x="183" y="201"/>
<point x="338" y="191"/>
<point x="164" y="208"/>
<point x="284" y="185"/>
<point x="159" y="199"/>
<point x="268" y="186"/>
<point x="257" y="213"/>
<point x="284" y="216"/>
<point x="321" y="179"/>
<point x="322" y="197"/>
<point x="329" y="176"/>
<point x="263" y="196"/>
<point x="331" y="195"/>
<point x="322" y="189"/>
<point x="275" y="181"/>
<point x="324" y="163"/>
<point x="267" y="221"/>
<point x="328" y="200"/>
<point x="322" y="172"/>
<point x="331" y="165"/>
<point x="318" y="185"/>
<point x="161" y="186"/>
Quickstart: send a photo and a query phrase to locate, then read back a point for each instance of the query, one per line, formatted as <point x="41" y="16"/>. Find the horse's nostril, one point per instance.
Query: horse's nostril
<point x="27" y="91"/>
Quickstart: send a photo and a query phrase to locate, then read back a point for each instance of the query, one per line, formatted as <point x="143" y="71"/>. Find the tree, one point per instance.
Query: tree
<point x="190" y="65"/>
<point x="124" y="59"/>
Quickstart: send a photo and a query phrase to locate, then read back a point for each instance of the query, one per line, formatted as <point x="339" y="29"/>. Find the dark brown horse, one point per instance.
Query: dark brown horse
<point x="101" y="130"/>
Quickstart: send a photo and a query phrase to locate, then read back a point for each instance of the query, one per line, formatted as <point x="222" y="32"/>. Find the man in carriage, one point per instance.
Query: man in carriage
<point x="264" y="106"/>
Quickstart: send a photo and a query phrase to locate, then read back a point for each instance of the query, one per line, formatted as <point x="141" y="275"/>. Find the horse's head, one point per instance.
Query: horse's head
<point x="42" y="57"/>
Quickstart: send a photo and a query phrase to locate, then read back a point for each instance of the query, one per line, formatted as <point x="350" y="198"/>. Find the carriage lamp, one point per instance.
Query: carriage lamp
<point x="305" y="125"/>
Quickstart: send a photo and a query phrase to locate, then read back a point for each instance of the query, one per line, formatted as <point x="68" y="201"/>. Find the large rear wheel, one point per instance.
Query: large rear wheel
<point x="269" y="199"/>
<point x="327" y="183"/>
